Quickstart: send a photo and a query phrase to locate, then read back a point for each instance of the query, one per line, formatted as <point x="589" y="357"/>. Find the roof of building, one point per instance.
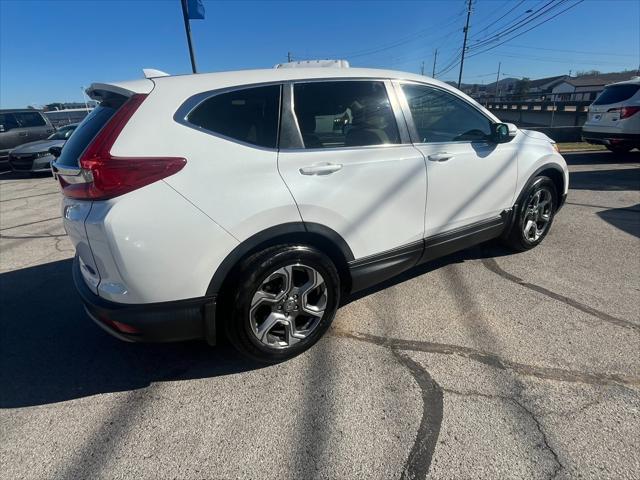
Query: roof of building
<point x="600" y="79"/>
<point x="544" y="81"/>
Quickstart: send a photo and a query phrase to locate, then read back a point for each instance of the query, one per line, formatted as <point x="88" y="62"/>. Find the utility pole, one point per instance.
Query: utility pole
<point x="497" y="81"/>
<point x="435" y="57"/>
<point x="464" y="43"/>
<point x="288" y="57"/>
<point x="422" y="68"/>
<point x="187" y="28"/>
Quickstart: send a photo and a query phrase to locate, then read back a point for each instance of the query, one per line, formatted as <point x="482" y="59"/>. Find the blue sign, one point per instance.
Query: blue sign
<point x="195" y="9"/>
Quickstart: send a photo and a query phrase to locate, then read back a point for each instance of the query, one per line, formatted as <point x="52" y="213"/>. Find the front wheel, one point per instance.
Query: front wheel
<point x="534" y="215"/>
<point x="285" y="299"/>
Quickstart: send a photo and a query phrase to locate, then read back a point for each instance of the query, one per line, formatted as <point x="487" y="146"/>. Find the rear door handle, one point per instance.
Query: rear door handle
<point x="440" y="157"/>
<point x="323" y="169"/>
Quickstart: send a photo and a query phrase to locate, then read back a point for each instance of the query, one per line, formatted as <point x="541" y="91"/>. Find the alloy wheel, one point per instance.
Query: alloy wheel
<point x="537" y="215"/>
<point x="288" y="305"/>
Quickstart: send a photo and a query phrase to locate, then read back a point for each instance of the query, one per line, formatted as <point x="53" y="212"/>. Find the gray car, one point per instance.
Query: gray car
<point x="21" y="126"/>
<point x="34" y="157"/>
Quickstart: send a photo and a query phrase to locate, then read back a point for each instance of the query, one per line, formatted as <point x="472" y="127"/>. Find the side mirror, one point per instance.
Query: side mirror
<point x="503" y="132"/>
<point x="55" y="151"/>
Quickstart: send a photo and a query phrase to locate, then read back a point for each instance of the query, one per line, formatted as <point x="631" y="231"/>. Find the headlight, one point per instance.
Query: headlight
<point x="42" y="154"/>
<point x="555" y="147"/>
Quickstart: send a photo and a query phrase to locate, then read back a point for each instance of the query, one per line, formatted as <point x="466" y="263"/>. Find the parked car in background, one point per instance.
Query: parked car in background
<point x="21" y="126"/>
<point x="251" y="202"/>
<point x="67" y="116"/>
<point x="614" y="117"/>
<point x="34" y="157"/>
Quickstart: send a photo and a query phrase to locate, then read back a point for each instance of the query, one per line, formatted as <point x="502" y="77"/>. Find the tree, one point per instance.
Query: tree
<point x="522" y="87"/>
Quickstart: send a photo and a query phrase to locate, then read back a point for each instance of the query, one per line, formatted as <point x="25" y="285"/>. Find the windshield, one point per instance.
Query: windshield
<point x="62" y="134"/>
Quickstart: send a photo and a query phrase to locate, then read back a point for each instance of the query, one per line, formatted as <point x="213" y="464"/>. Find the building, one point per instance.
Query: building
<point x="587" y="87"/>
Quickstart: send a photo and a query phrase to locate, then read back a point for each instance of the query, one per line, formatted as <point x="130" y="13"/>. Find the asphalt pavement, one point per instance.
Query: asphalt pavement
<point x="484" y="364"/>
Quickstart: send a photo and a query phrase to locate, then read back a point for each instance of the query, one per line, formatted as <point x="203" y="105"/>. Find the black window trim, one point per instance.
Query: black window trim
<point x="193" y="102"/>
<point x="413" y="131"/>
<point x="295" y="136"/>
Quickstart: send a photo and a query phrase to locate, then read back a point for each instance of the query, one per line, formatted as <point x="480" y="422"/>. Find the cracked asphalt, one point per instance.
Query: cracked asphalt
<point x="484" y="364"/>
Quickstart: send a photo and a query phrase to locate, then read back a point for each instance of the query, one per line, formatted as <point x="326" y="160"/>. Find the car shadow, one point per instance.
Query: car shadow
<point x="13" y="175"/>
<point x="491" y="249"/>
<point x="606" y="180"/>
<point x="626" y="219"/>
<point x="600" y="158"/>
<point x="51" y="351"/>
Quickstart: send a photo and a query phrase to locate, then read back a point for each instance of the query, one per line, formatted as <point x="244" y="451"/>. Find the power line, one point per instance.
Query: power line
<point x="609" y="54"/>
<point x="516" y="26"/>
<point x="528" y="30"/>
<point x="510" y="10"/>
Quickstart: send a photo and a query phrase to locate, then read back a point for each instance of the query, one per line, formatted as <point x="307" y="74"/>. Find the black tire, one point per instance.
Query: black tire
<point x="252" y="275"/>
<point x="619" y="148"/>
<point x="517" y="238"/>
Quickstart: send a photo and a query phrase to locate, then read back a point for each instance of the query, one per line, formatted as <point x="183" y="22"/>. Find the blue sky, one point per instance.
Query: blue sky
<point x="49" y="49"/>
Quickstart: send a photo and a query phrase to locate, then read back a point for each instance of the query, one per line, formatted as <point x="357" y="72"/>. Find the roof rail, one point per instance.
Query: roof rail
<point x="314" y="64"/>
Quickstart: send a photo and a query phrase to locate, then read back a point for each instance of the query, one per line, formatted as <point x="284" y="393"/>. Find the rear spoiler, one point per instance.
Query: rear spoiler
<point x="98" y="91"/>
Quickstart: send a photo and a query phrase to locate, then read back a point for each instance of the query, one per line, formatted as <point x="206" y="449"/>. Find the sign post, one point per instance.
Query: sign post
<point x="191" y="9"/>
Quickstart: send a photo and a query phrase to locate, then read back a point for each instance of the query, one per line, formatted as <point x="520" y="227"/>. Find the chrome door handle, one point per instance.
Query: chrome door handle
<point x="323" y="169"/>
<point x="440" y="157"/>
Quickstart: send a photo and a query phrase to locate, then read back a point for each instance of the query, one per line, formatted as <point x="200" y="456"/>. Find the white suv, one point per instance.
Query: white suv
<point x="614" y="118"/>
<point x="252" y="202"/>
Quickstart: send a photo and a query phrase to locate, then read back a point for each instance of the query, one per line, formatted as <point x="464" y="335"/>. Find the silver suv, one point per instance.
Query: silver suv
<point x="614" y="118"/>
<point x="21" y="126"/>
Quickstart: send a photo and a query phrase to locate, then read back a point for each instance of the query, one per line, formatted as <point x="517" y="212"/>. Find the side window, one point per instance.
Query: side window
<point x="30" y="119"/>
<point x="249" y="115"/>
<point x="8" y="121"/>
<point x="441" y="117"/>
<point x="344" y="114"/>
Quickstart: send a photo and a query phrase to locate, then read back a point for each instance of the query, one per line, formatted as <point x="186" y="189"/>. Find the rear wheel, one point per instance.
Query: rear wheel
<point x="534" y="215"/>
<point x="285" y="299"/>
<point x="619" y="148"/>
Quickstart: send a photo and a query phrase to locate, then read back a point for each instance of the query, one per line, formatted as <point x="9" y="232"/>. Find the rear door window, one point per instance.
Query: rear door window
<point x="616" y="94"/>
<point x="87" y="130"/>
<point x="249" y="115"/>
<point x="30" y="119"/>
<point x="335" y="114"/>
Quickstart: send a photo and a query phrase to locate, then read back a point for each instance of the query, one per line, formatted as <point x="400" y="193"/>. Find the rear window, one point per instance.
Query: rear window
<point x="336" y="114"/>
<point x="249" y="115"/>
<point x="616" y="94"/>
<point x="87" y="130"/>
<point x="30" y="119"/>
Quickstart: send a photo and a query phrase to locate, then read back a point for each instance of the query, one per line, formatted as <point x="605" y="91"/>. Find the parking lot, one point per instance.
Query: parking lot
<point x="484" y="364"/>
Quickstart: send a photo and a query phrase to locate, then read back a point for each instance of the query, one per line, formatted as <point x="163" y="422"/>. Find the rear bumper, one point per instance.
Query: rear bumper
<point x="154" y="322"/>
<point x="605" y="138"/>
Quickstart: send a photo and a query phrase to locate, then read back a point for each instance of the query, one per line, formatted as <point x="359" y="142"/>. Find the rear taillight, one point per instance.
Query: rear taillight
<point x="104" y="176"/>
<point x="625" y="112"/>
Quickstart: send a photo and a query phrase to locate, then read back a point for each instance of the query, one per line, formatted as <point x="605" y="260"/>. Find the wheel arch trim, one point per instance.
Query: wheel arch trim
<point x="295" y="231"/>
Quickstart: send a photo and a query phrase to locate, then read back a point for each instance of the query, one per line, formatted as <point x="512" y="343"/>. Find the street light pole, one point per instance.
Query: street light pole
<point x="464" y="43"/>
<point x="187" y="29"/>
